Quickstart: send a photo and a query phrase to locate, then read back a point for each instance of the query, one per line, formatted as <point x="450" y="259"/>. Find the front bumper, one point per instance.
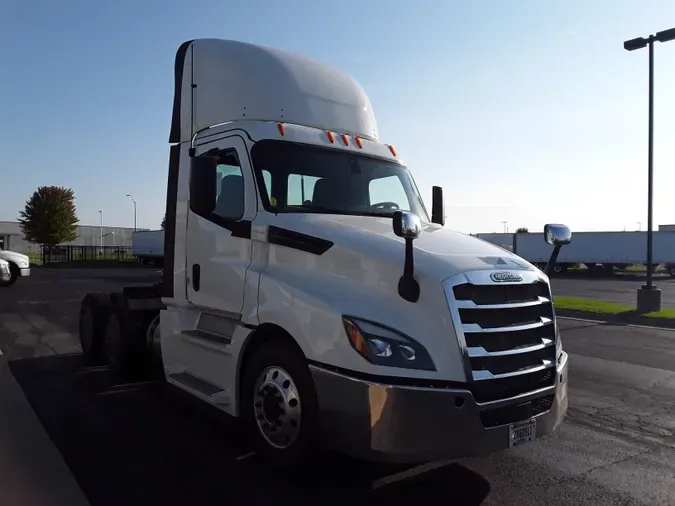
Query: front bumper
<point x="5" y="276"/>
<point x="25" y="271"/>
<point x="380" y="422"/>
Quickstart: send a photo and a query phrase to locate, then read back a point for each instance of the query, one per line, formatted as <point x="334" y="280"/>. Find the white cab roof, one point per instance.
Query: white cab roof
<point x="241" y="81"/>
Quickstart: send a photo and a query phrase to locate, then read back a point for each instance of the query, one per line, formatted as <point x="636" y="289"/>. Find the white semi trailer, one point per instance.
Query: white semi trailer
<point x="594" y="250"/>
<point x="148" y="246"/>
<point x="307" y="290"/>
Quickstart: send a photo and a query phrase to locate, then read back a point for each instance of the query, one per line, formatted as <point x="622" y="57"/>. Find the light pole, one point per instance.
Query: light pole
<point x="639" y="224"/>
<point x="649" y="297"/>
<point x="504" y="226"/>
<point x="100" y="215"/>
<point x="134" y="201"/>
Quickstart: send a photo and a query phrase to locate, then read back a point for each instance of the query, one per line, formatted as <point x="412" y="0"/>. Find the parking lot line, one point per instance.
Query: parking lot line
<point x="408" y="473"/>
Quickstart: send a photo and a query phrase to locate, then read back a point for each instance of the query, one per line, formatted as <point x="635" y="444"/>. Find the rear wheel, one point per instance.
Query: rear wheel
<point x="559" y="268"/>
<point x="94" y="314"/>
<point x="124" y="341"/>
<point x="280" y="406"/>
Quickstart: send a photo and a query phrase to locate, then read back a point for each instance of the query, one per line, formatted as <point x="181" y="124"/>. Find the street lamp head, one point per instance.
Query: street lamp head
<point x="633" y="44"/>
<point x="665" y="35"/>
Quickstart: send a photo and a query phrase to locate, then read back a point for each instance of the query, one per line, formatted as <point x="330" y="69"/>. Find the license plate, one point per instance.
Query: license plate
<point x="522" y="432"/>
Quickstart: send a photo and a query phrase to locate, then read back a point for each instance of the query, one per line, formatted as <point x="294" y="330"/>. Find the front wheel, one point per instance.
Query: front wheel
<point x="14" y="273"/>
<point x="280" y="407"/>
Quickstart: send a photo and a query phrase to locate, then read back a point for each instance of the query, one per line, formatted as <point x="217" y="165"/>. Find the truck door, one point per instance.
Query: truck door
<point x="218" y="245"/>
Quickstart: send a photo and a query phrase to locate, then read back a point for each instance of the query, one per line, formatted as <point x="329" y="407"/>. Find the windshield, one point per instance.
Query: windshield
<point x="298" y="178"/>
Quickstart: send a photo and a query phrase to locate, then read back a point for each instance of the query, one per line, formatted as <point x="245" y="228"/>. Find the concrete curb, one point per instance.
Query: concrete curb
<point x="637" y="321"/>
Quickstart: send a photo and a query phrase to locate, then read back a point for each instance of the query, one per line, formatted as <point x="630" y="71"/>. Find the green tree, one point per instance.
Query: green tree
<point x="49" y="217"/>
<point x="522" y="230"/>
<point x="163" y="222"/>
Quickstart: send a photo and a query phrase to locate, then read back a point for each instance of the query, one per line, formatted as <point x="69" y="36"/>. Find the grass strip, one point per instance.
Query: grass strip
<point x="601" y="307"/>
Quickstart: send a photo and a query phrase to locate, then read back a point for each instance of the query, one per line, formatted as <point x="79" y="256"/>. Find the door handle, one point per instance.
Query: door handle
<point x="196" y="271"/>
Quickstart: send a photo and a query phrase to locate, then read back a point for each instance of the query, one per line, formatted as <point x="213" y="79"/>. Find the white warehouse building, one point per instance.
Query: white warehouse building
<point x="12" y="239"/>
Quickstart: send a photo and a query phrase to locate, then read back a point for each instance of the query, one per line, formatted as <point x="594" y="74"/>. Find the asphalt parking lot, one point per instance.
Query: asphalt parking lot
<point x="131" y="444"/>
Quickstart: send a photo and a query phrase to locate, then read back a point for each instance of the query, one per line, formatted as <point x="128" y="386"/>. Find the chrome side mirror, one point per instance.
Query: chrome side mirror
<point x="407" y="225"/>
<point x="557" y="234"/>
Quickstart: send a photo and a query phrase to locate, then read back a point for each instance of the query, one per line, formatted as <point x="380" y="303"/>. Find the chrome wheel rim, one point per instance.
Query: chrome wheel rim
<point x="276" y="407"/>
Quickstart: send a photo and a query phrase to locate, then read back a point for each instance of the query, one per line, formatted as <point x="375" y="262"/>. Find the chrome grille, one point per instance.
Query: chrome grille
<point x="506" y="331"/>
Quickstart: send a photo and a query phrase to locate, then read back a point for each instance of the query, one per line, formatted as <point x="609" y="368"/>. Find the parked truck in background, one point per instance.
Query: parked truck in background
<point x="594" y="250"/>
<point x="148" y="246"/>
<point x="18" y="264"/>
<point x="307" y="290"/>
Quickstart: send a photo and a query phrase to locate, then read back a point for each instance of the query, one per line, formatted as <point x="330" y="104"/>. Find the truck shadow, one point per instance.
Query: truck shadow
<point x="135" y="444"/>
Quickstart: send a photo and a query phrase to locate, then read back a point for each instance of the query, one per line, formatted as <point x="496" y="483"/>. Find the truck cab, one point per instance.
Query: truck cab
<point x="308" y="290"/>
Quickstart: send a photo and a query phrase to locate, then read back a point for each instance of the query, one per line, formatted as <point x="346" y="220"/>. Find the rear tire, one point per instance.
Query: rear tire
<point x="559" y="268"/>
<point x="124" y="341"/>
<point x="94" y="314"/>
<point x="280" y="407"/>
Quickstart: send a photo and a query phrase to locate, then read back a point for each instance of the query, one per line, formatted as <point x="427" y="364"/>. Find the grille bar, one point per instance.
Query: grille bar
<point x="474" y="328"/>
<point x="483" y="375"/>
<point x="469" y="304"/>
<point x="479" y="351"/>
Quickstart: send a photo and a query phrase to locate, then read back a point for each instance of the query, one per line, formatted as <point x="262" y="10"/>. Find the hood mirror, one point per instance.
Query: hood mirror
<point x="557" y="235"/>
<point x="408" y="226"/>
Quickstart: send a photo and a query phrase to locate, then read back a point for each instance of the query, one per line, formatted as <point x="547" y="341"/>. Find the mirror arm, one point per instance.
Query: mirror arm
<point x="408" y="287"/>
<point x="553" y="259"/>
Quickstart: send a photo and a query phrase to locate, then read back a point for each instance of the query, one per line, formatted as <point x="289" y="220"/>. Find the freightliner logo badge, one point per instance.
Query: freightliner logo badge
<point x="500" y="277"/>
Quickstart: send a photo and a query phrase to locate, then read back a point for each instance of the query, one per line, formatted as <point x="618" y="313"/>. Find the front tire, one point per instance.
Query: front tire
<point x="14" y="272"/>
<point x="280" y="407"/>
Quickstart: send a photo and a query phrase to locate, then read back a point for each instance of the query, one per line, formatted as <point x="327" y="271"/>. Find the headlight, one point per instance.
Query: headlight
<point x="380" y="345"/>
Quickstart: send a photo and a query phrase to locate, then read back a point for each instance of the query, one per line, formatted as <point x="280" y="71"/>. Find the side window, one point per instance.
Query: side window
<point x="229" y="187"/>
<point x="388" y="189"/>
<point x="300" y="189"/>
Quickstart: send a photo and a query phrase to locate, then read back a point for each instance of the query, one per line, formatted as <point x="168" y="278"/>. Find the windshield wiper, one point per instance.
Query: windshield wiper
<point x="336" y="210"/>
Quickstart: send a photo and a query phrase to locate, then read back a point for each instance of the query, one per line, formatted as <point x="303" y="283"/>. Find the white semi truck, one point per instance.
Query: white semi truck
<point x="18" y="264"/>
<point x="307" y="291"/>
<point x="594" y="250"/>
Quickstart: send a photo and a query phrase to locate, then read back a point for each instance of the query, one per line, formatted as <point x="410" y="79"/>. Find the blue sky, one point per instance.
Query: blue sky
<point x="526" y="111"/>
